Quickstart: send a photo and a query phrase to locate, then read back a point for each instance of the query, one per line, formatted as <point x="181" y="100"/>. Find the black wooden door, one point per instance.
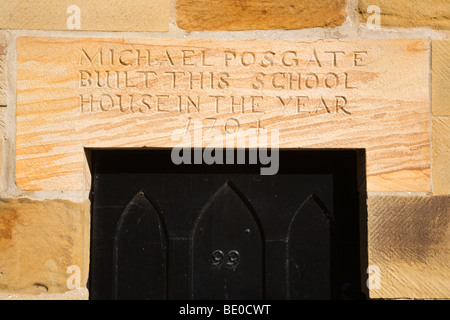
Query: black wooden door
<point x="161" y="231"/>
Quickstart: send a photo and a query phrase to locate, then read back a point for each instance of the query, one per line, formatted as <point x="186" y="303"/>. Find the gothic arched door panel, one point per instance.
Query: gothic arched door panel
<point x="310" y="252"/>
<point x="227" y="250"/>
<point x="139" y="253"/>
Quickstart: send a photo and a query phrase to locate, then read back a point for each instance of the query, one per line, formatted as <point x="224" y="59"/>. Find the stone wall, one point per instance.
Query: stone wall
<point x="43" y="234"/>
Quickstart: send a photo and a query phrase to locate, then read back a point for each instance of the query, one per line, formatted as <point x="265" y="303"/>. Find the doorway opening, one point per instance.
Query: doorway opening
<point x="221" y="231"/>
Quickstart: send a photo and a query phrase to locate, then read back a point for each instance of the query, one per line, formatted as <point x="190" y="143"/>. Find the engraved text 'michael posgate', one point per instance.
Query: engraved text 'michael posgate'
<point x="218" y="81"/>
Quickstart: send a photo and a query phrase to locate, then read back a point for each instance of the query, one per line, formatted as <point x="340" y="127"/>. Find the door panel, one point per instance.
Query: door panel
<point x="139" y="253"/>
<point x="227" y="250"/>
<point x="309" y="252"/>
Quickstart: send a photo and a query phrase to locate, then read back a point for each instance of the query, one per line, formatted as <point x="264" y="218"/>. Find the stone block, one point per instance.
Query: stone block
<point x="39" y="241"/>
<point x="215" y="15"/>
<point x="409" y="241"/>
<point x="99" y="15"/>
<point x="78" y="94"/>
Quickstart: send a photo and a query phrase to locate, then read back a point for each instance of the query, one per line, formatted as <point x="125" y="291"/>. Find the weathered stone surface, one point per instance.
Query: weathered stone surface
<point x="76" y="294"/>
<point x="409" y="240"/>
<point x="235" y="15"/>
<point x="2" y="69"/>
<point x="39" y="240"/>
<point x="3" y="101"/>
<point x="441" y="155"/>
<point x="371" y="94"/>
<point x="406" y="13"/>
<point x="2" y="136"/>
<point x="440" y="78"/>
<point x="99" y="15"/>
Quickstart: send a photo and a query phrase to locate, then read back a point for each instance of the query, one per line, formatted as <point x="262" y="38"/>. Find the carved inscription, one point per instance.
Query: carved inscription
<point x="199" y="80"/>
<point x="76" y="93"/>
